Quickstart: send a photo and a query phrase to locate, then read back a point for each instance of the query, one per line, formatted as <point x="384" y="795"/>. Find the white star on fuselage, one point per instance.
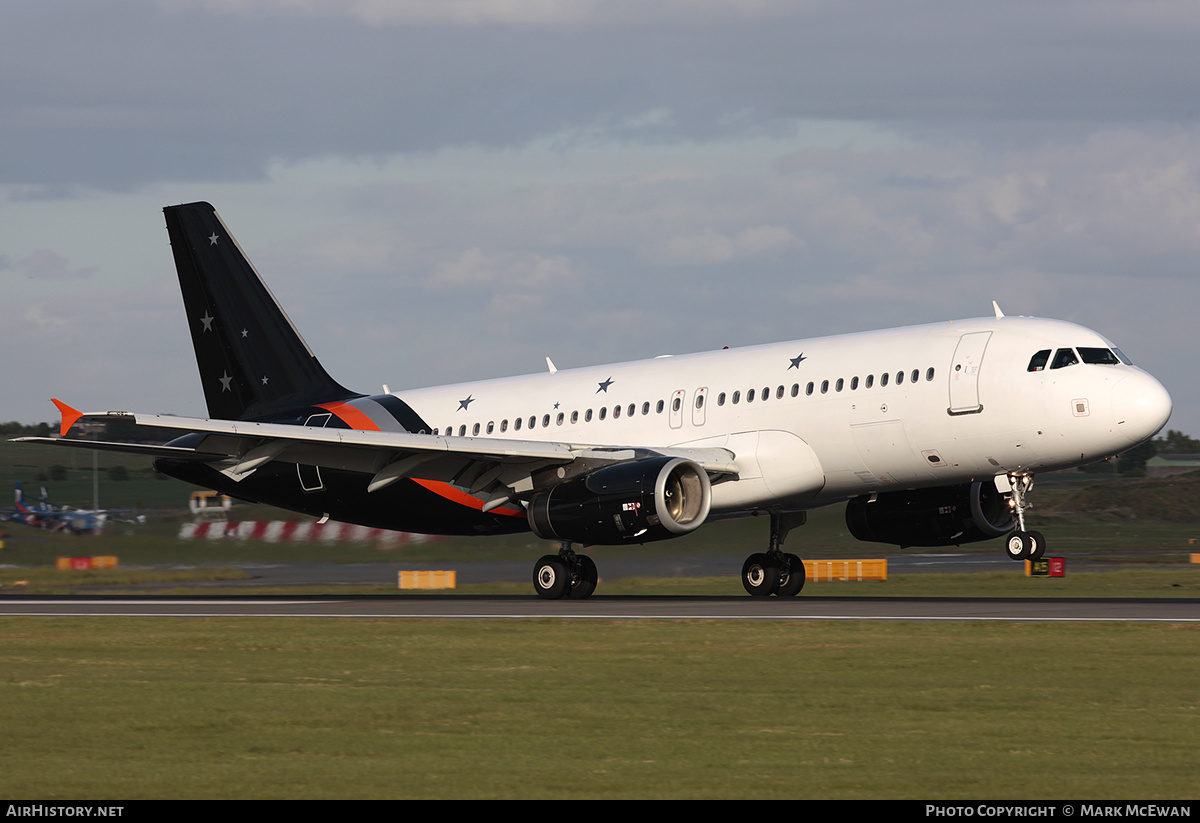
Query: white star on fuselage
<point x="207" y="321"/>
<point x="212" y="241"/>
<point x="226" y="380"/>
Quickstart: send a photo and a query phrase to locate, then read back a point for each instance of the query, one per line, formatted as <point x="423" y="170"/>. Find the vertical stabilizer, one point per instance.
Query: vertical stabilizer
<point x="253" y="363"/>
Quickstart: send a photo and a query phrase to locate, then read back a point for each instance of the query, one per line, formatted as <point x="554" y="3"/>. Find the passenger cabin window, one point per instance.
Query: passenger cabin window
<point x="1064" y="358"/>
<point x="1038" y="361"/>
<point x="1103" y="357"/>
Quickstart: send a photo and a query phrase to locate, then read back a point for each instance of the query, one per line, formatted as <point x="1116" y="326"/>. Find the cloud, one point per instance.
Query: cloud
<point x="474" y="269"/>
<point x="42" y="266"/>
<point x="714" y="248"/>
<point x="519" y="13"/>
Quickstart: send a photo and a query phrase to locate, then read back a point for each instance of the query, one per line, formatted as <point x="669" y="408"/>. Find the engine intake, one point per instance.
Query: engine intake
<point x="944" y="516"/>
<point x="636" y="502"/>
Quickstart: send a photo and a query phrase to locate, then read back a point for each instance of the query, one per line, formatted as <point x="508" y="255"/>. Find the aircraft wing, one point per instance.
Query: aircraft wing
<point x="496" y="469"/>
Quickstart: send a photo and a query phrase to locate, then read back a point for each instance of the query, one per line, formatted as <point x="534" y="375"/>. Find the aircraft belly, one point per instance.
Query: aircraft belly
<point x="886" y="454"/>
<point x="403" y="506"/>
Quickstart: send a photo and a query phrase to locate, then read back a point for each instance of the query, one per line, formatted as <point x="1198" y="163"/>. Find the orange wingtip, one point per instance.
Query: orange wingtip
<point x="69" y="416"/>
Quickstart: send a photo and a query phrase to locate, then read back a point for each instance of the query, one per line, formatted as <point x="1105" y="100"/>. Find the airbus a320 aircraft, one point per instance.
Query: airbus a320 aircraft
<point x="930" y="435"/>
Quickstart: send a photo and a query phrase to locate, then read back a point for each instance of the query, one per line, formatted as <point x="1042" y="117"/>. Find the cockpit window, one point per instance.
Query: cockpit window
<point x="1064" y="358"/>
<point x="1101" y="356"/>
<point x="1038" y="361"/>
<point x="1121" y="356"/>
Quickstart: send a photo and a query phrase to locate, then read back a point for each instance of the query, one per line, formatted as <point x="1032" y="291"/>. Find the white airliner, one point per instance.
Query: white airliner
<point x="930" y="435"/>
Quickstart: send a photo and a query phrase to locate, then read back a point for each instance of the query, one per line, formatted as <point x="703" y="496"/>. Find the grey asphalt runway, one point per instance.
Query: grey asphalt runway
<point x="616" y="608"/>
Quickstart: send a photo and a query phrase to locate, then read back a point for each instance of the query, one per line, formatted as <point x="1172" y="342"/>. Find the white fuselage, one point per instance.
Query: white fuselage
<point x="819" y="420"/>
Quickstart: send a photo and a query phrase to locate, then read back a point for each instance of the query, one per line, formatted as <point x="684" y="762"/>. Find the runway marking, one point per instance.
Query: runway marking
<point x="614" y="616"/>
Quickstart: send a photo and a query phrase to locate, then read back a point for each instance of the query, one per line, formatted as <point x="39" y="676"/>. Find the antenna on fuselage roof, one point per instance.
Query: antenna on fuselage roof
<point x="550" y="364"/>
<point x="996" y="306"/>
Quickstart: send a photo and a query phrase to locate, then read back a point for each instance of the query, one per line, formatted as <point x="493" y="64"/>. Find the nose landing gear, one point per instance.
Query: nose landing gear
<point x="1022" y="544"/>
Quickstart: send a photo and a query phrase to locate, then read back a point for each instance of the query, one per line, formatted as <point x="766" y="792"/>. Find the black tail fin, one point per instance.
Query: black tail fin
<point x="253" y="363"/>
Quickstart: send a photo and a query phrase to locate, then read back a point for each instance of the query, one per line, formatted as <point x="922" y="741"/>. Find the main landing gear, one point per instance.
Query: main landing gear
<point x="773" y="572"/>
<point x="1022" y="544"/>
<point x="565" y="574"/>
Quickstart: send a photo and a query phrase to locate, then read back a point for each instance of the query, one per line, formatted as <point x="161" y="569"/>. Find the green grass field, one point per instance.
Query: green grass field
<point x="316" y="708"/>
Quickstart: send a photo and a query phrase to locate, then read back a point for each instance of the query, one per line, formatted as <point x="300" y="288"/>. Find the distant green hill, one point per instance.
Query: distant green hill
<point x="1173" y="499"/>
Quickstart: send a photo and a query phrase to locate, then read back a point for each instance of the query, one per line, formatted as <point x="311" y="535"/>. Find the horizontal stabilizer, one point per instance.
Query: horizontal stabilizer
<point x="145" y="449"/>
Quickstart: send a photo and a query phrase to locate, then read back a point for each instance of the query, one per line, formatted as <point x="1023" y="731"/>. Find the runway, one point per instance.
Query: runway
<point x="482" y="607"/>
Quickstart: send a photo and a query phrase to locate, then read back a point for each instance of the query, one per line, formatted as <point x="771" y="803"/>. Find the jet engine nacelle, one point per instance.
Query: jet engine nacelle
<point x="944" y="516"/>
<point x="636" y="502"/>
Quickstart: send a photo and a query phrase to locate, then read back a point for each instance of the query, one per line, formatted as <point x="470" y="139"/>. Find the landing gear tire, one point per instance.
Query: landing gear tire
<point x="760" y="575"/>
<point x="585" y="584"/>
<point x="1019" y="546"/>
<point x="791" y="581"/>
<point x="550" y="577"/>
<point x="1039" y="545"/>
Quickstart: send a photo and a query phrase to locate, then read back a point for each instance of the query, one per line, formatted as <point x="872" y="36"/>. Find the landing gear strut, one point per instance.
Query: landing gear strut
<point x="1022" y="544"/>
<point x="565" y="574"/>
<point x="773" y="571"/>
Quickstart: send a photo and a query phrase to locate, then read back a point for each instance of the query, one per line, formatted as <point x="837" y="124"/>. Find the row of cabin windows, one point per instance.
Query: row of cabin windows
<point x="559" y="419"/>
<point x="838" y="385"/>
<point x="676" y="403"/>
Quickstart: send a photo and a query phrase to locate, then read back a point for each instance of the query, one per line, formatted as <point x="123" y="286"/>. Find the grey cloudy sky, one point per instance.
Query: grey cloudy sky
<point x="444" y="190"/>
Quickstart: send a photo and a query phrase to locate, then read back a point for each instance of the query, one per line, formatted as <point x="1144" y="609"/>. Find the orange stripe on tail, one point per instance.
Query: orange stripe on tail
<point x="351" y="416"/>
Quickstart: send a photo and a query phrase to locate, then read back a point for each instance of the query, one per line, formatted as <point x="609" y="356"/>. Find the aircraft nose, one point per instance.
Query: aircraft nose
<point x="1141" y="406"/>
